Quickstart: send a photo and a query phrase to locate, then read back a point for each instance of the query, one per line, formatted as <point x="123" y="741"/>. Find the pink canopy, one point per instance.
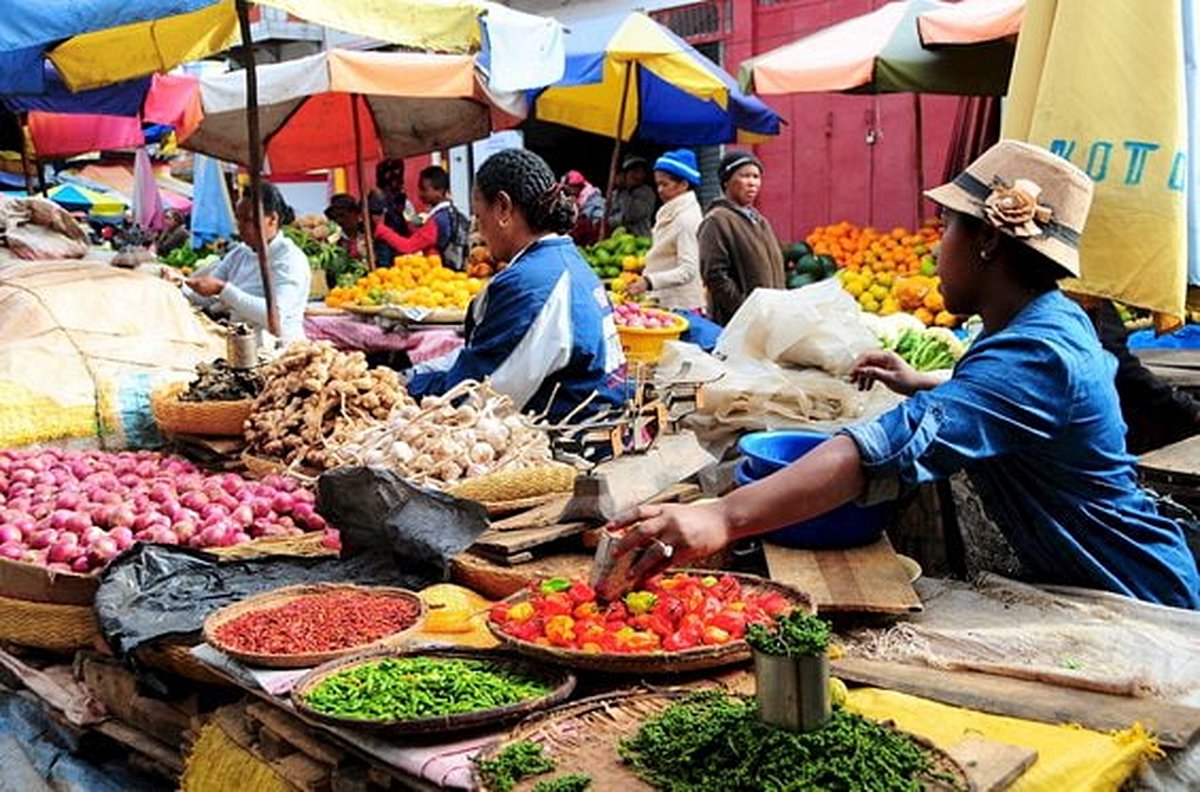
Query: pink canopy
<point x="971" y="22"/>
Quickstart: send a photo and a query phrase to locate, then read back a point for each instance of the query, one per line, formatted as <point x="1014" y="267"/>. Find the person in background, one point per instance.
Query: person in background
<point x="1030" y="413"/>
<point x="738" y="248"/>
<point x="234" y="284"/>
<point x="346" y="211"/>
<point x="443" y="230"/>
<point x="633" y="202"/>
<point x="1156" y="413"/>
<point x="389" y="202"/>
<point x="542" y="331"/>
<point x="589" y="208"/>
<point x="175" y="235"/>
<point x="672" y="267"/>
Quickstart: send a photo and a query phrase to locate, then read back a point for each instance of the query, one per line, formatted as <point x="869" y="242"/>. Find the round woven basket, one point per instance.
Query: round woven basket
<point x="657" y="662"/>
<point x="44" y="625"/>
<point x="306" y="546"/>
<point x="206" y="418"/>
<point x="258" y="467"/>
<point x="560" y="682"/>
<point x="517" y="486"/>
<point x="282" y="596"/>
<point x="176" y="658"/>
<point x="582" y="737"/>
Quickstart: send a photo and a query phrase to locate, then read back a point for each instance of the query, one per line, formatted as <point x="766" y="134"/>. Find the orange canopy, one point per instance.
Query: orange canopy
<point x="971" y="22"/>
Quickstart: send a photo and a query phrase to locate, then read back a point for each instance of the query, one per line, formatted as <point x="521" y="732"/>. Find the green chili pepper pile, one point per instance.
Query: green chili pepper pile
<point x="405" y="688"/>
<point x="795" y="634"/>
<point x="516" y="761"/>
<point x="572" y="782"/>
<point x="711" y="742"/>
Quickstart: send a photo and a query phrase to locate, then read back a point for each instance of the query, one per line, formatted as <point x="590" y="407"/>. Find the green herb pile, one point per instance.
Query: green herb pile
<point x="405" y="688"/>
<point x="518" y="760"/>
<point x="712" y="742"/>
<point x="929" y="350"/>
<point x="572" y="782"/>
<point x="794" y="634"/>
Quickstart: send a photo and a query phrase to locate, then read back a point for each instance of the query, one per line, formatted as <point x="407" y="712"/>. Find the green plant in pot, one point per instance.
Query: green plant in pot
<point x="791" y="671"/>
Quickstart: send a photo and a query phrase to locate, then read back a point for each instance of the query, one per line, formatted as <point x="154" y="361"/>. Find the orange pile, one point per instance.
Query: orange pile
<point x="887" y="271"/>
<point x="415" y="281"/>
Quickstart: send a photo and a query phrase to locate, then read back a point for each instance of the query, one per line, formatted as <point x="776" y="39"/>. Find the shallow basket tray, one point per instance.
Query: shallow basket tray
<point x="582" y="737"/>
<point x="560" y="681"/>
<point x="204" y="418"/>
<point x="657" y="662"/>
<point x="282" y="596"/>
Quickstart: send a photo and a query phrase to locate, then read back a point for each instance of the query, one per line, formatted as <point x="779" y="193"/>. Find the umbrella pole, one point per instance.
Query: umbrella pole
<point x="368" y="232"/>
<point x="26" y="170"/>
<point x="919" y="134"/>
<point x="255" y="150"/>
<point x="616" y="155"/>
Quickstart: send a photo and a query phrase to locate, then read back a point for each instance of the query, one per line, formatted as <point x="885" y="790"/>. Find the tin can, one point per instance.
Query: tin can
<point x="241" y="347"/>
<point x="792" y="692"/>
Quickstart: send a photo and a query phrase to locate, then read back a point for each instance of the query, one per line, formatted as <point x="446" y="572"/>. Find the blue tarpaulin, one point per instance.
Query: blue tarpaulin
<point x="119" y="99"/>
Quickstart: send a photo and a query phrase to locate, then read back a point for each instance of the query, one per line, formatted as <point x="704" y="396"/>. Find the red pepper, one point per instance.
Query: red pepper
<point x="555" y="605"/>
<point x="731" y="621"/>
<point x="319" y="623"/>
<point x="581" y="592"/>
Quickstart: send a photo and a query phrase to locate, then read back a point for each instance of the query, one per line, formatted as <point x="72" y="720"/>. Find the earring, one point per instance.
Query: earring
<point x="984" y="255"/>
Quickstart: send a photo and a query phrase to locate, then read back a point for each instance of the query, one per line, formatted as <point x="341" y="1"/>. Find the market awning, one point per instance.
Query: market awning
<point x="880" y="52"/>
<point x="77" y="198"/>
<point x="630" y="77"/>
<point x="409" y="103"/>
<point x="971" y="22"/>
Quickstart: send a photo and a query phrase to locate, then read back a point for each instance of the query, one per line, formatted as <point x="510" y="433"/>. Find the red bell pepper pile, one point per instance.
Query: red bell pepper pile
<point x="670" y="613"/>
<point x="318" y="623"/>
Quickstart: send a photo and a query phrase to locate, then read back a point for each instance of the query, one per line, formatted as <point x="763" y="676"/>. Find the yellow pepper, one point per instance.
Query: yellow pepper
<point x="561" y="630"/>
<point x="640" y="602"/>
<point x="521" y="612"/>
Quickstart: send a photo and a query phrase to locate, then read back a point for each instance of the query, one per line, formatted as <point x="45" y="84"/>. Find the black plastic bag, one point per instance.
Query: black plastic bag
<point x="155" y="591"/>
<point x="378" y="512"/>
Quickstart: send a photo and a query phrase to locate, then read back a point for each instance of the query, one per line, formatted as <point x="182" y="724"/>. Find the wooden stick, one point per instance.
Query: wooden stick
<point x="616" y="155"/>
<point x="368" y="231"/>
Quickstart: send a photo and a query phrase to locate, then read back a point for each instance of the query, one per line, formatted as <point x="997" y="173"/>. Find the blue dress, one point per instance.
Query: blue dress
<point x="1032" y="415"/>
<point x="542" y="325"/>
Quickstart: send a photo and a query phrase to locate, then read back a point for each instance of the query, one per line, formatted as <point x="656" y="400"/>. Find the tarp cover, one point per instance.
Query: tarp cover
<point x="82" y="344"/>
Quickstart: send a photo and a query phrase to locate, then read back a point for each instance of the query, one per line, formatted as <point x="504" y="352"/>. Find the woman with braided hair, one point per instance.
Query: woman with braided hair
<point x="544" y="325"/>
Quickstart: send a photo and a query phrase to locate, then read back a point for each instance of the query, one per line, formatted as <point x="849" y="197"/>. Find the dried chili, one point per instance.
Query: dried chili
<point x="319" y="623"/>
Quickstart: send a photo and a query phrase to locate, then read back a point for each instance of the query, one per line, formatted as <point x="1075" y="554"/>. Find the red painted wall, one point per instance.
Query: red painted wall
<point x="822" y="169"/>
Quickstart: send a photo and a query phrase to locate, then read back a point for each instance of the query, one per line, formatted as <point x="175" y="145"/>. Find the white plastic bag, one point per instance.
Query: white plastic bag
<point x="817" y="326"/>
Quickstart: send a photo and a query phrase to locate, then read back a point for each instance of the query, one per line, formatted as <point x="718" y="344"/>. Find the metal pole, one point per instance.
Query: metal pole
<point x="254" y="144"/>
<point x="616" y="155"/>
<point x="919" y="134"/>
<point x="369" y="232"/>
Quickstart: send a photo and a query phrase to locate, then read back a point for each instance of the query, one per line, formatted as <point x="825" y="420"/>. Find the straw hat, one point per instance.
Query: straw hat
<point x="1024" y="191"/>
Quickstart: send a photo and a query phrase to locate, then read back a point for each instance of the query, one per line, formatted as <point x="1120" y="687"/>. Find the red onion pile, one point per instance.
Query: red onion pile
<point x="77" y="510"/>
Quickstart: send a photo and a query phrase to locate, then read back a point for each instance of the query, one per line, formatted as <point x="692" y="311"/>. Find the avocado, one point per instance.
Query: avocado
<point x="798" y="251"/>
<point x="800" y="280"/>
<point x="829" y="265"/>
<point x="808" y="264"/>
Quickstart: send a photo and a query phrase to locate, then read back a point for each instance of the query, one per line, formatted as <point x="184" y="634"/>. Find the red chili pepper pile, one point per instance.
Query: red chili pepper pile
<point x="318" y="623"/>
<point x="671" y="613"/>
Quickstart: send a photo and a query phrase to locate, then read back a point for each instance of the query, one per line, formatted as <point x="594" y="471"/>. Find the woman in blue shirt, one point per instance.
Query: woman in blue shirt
<point x="1031" y="412"/>
<point x="542" y="330"/>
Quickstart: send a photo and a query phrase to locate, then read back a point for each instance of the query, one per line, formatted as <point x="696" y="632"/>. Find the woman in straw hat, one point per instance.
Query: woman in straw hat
<point x="1031" y="412"/>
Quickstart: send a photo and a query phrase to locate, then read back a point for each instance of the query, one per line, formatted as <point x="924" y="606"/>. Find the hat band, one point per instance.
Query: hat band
<point x="975" y="188"/>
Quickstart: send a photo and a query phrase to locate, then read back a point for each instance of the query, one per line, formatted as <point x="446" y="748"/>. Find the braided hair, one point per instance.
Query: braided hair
<point x="530" y="184"/>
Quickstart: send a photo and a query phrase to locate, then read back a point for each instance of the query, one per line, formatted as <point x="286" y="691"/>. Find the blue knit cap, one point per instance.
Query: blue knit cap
<point x="681" y="163"/>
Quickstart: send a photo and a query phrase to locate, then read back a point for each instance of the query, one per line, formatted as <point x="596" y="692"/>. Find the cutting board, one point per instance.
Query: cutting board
<point x="992" y="766"/>
<point x="1172" y="724"/>
<point x="868" y="579"/>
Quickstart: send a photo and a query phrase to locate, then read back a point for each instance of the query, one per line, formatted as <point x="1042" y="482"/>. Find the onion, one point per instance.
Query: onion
<point x="77" y="522"/>
<point x="184" y="530"/>
<point x="81" y="565"/>
<point x="243" y="516"/>
<point x="283" y="503"/>
<point x="92" y="535"/>
<point x="122" y="536"/>
<point x="64" y="551"/>
<point x="104" y="550"/>
<point x="13" y="551"/>
<point x="42" y="539"/>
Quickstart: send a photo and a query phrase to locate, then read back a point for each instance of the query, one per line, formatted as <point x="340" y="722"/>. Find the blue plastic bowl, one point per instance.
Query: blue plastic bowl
<point x="768" y="452"/>
<point x="845" y="526"/>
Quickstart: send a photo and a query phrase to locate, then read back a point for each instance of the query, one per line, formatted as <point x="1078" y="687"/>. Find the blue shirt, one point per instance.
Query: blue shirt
<point x="1031" y="414"/>
<point x="543" y="322"/>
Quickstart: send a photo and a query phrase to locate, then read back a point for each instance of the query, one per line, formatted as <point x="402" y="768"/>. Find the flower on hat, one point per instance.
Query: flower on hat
<point x="1015" y="209"/>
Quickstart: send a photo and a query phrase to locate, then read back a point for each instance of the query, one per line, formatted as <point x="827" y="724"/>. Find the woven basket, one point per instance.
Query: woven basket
<point x="306" y="546"/>
<point x="258" y="467"/>
<point x="582" y="737"/>
<point x="560" y="682"/>
<point x="42" y="625"/>
<point x="657" y="662"/>
<point x="516" y="485"/>
<point x="205" y="418"/>
<point x="282" y="596"/>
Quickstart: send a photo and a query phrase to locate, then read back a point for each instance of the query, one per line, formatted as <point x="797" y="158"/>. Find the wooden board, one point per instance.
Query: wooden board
<point x="992" y="766"/>
<point x="1180" y="459"/>
<point x="541" y="516"/>
<point x="1174" y="725"/>
<point x="116" y="688"/>
<point x="502" y="544"/>
<point x="868" y="579"/>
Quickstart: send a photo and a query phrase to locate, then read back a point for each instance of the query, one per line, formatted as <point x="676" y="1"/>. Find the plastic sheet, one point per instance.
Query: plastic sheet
<point x="155" y="591"/>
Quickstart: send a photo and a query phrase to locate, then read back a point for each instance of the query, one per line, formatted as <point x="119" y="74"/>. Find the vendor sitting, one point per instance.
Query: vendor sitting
<point x="443" y="230"/>
<point x="544" y="323"/>
<point x="1030" y="413"/>
<point x="234" y="284"/>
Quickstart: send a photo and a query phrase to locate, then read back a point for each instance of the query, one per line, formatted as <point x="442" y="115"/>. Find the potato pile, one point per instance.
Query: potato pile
<point x="470" y="431"/>
<point x="315" y="399"/>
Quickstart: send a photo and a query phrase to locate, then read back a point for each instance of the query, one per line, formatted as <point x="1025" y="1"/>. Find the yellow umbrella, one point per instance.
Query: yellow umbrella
<point x="1126" y="125"/>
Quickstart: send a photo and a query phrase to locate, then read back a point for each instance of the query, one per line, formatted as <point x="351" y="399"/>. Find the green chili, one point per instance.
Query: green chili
<point x="405" y="688"/>
<point x="516" y="761"/>
<point x="555" y="585"/>
<point x="794" y="634"/>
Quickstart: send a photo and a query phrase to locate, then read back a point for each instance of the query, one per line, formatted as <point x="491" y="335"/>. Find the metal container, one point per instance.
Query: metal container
<point x="792" y="692"/>
<point x="241" y="347"/>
